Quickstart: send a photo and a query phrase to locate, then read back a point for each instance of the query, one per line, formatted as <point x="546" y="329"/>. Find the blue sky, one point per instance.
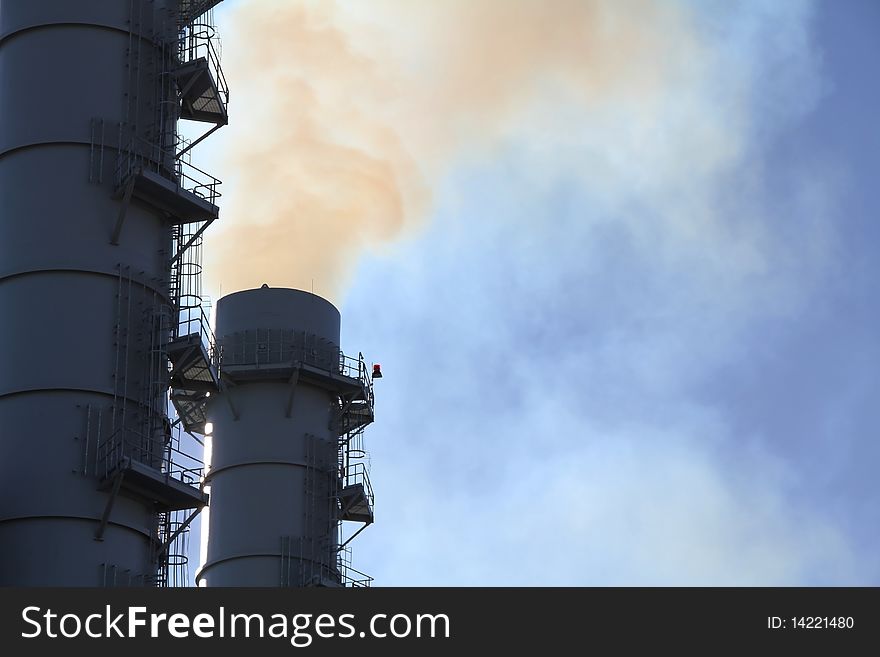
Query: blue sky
<point x="629" y="346"/>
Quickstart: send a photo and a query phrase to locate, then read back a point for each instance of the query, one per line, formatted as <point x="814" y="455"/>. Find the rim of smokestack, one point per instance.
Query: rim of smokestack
<point x="266" y="286"/>
<point x="305" y="297"/>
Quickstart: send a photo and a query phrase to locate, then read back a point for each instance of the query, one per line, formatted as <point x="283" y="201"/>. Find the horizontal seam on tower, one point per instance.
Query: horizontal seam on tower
<point x="87" y="272"/>
<point x="213" y="471"/>
<point x="54" y="142"/>
<point x="76" y="518"/>
<point x="89" y="391"/>
<point x="65" y="24"/>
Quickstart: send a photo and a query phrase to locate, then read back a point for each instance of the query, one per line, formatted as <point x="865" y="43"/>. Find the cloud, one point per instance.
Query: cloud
<point x="616" y="509"/>
<point x="597" y="245"/>
<point x="553" y="330"/>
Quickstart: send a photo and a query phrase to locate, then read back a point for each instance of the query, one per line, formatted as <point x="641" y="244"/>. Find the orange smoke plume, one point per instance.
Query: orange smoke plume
<point x="344" y="116"/>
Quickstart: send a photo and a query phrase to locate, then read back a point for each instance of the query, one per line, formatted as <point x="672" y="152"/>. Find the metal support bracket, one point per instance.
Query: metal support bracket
<point x="293" y="380"/>
<point x="224" y="388"/>
<point x="346" y="407"/>
<point x="195" y="437"/>
<point x="123" y="210"/>
<point x="352" y="537"/>
<point x="177" y="532"/>
<point x="192" y="239"/>
<point x="117" y="483"/>
<point x="184" y="357"/>
<point x="189" y="85"/>
<point x="199" y="140"/>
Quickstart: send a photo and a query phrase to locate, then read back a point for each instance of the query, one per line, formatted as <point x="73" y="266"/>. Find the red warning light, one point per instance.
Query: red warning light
<point x="377" y="371"/>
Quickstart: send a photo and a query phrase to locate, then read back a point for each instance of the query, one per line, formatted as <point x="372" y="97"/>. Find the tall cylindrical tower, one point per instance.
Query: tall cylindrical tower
<point x="95" y="204"/>
<point x="287" y="453"/>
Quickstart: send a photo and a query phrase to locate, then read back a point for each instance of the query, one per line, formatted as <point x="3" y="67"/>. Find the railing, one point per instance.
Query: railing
<point x="176" y="558"/>
<point x="355" y="368"/>
<point x="193" y="475"/>
<point x="198" y="182"/>
<point x="150" y="452"/>
<point x="268" y="346"/>
<point x="354" y="578"/>
<point x="199" y="44"/>
<point x="193" y="9"/>
<point x="141" y="155"/>
<point x="353" y="444"/>
<point x="192" y="320"/>
<point x="356" y="473"/>
<point x="349" y="576"/>
<point x="365" y="376"/>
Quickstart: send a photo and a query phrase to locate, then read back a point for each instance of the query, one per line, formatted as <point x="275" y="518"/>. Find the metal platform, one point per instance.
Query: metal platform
<point x="161" y="488"/>
<point x="355" y="495"/>
<point x="202" y="98"/>
<point x="193" y="378"/>
<point x="355" y="504"/>
<point x="192" y="366"/>
<point x="192" y="9"/>
<point x="323" y="378"/>
<point x="190" y="407"/>
<point x="356" y="415"/>
<point x="183" y="205"/>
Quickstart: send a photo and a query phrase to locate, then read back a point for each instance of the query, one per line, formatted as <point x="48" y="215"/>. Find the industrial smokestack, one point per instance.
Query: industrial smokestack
<point x="287" y="466"/>
<point x="100" y="222"/>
